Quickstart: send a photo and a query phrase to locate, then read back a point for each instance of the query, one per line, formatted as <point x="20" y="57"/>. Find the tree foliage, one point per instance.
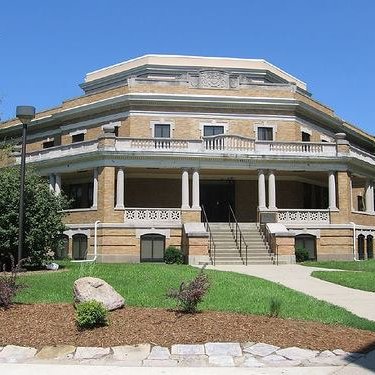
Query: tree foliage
<point x="43" y="217"/>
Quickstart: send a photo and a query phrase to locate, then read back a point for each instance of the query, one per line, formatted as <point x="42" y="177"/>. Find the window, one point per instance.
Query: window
<point x="162" y="130"/>
<point x="306" y="242"/>
<point x="265" y="134"/>
<point x="116" y="131"/>
<point x="48" y="144"/>
<point x="152" y="248"/>
<point x="306" y="137"/>
<point x="210" y="130"/>
<point x="80" y="137"/>
<point x="81" y="195"/>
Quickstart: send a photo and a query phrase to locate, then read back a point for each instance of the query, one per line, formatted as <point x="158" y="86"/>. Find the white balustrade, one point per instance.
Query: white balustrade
<point x="228" y="143"/>
<point x="297" y="148"/>
<point x="153" y="215"/>
<point x="214" y="144"/>
<point x="303" y="216"/>
<point x="362" y="155"/>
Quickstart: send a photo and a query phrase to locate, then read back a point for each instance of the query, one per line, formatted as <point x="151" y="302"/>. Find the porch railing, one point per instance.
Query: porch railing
<point x="211" y="242"/>
<point x="237" y="235"/>
<point x="156" y="215"/>
<point x="296" y="216"/>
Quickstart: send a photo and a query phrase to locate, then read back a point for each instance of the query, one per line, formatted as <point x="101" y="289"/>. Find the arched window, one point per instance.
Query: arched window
<point x="79" y="246"/>
<point x="152" y="248"/>
<point x="361" y="247"/>
<point x="370" y="247"/>
<point x="307" y="242"/>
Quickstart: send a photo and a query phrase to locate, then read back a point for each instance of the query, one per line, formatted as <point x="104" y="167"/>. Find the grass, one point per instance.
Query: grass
<point x="363" y="265"/>
<point x="356" y="280"/>
<point x="362" y="276"/>
<point x="145" y="285"/>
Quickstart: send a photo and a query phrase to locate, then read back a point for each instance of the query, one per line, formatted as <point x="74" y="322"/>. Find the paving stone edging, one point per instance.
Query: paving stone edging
<point x="220" y="354"/>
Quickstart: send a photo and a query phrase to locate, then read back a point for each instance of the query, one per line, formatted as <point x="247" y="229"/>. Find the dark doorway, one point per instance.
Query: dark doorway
<point x="79" y="247"/>
<point x="308" y="243"/>
<point x="370" y="247"/>
<point x="216" y="196"/>
<point x="152" y="248"/>
<point x="361" y="247"/>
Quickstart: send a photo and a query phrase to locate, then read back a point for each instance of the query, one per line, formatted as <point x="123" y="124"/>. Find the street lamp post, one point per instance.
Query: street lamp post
<point x="25" y="114"/>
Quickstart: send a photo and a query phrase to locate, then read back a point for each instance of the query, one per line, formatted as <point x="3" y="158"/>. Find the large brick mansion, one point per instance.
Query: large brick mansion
<point x="167" y="150"/>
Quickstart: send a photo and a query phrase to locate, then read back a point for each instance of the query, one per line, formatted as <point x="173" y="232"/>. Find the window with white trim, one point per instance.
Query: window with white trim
<point x="210" y="130"/>
<point x="264" y="133"/>
<point x="162" y="130"/>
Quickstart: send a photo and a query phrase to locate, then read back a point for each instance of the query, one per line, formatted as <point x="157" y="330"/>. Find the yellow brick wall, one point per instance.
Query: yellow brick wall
<point x="335" y="244"/>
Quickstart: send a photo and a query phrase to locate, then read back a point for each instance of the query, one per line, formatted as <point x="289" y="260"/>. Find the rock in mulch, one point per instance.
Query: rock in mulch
<point x="92" y="288"/>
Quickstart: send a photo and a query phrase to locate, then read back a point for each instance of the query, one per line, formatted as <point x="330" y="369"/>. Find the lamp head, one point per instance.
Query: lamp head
<point x="25" y="113"/>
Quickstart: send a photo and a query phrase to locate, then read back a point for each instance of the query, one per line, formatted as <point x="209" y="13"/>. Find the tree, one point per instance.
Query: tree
<point x="43" y="217"/>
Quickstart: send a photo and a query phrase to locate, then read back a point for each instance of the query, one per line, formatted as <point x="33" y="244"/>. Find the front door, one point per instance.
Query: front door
<point x="152" y="248"/>
<point x="216" y="196"/>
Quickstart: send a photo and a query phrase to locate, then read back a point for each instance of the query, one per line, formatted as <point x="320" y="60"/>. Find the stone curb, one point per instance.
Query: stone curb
<point x="219" y="354"/>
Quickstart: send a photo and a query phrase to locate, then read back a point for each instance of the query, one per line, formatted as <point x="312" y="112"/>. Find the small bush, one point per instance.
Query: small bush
<point x="189" y="295"/>
<point x="173" y="256"/>
<point x="301" y="255"/>
<point x="9" y="285"/>
<point x="275" y="307"/>
<point x="91" y="314"/>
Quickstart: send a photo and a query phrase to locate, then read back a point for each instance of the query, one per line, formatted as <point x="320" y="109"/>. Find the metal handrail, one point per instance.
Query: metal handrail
<point x="211" y="242"/>
<point x="237" y="234"/>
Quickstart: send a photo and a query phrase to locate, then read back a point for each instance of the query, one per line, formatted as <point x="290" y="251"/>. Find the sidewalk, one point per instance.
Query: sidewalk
<point x="298" y="277"/>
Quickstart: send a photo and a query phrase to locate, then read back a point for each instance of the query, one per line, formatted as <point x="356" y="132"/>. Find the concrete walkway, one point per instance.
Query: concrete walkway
<point x="298" y="277"/>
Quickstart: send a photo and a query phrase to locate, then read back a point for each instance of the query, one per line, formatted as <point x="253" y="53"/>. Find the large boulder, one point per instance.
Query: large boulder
<point x="92" y="288"/>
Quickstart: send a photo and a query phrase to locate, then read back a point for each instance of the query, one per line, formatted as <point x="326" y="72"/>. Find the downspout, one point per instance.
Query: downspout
<point x="354" y="243"/>
<point x="95" y="246"/>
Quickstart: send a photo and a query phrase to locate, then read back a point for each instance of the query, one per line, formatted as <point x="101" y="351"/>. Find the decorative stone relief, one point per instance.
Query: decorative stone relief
<point x="213" y="79"/>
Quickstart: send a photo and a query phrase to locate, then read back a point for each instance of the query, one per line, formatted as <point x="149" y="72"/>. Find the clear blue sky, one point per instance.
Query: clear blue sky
<point x="46" y="47"/>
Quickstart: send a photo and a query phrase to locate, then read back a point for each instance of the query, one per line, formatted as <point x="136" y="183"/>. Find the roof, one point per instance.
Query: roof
<point x="196" y="62"/>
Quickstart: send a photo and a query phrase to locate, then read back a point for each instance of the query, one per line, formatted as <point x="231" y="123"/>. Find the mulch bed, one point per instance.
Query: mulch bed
<point x="39" y="325"/>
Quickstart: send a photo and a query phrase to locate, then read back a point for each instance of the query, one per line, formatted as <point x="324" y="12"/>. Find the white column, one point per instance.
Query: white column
<point x="196" y="200"/>
<point x="369" y="197"/>
<point x="332" y="190"/>
<point x="271" y="191"/>
<point x="261" y="190"/>
<point x="57" y="184"/>
<point x="51" y="181"/>
<point x="120" y="188"/>
<point x="95" y="189"/>
<point x="185" y="190"/>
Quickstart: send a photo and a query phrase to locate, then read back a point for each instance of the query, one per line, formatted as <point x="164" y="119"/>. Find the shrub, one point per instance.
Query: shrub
<point x="173" y="255"/>
<point x="9" y="285"/>
<point x="43" y="218"/>
<point x="190" y="294"/>
<point x="91" y="314"/>
<point x="301" y="255"/>
<point x="275" y="307"/>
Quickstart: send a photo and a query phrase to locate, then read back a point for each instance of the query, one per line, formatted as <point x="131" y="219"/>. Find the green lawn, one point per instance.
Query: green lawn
<point x="363" y="265"/>
<point x="356" y="280"/>
<point x="146" y="285"/>
<point x="364" y="279"/>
